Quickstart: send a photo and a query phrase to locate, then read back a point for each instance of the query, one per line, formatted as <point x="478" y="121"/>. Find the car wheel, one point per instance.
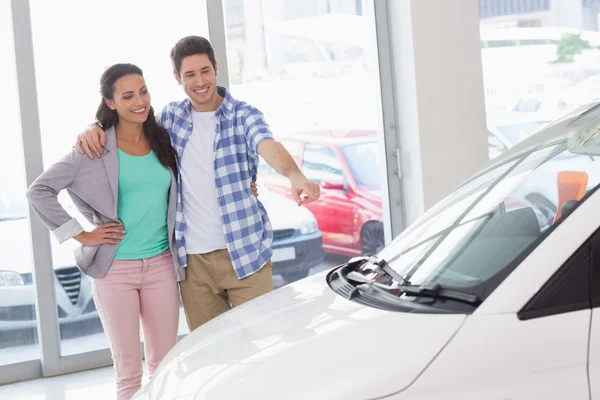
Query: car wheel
<point x="372" y="238"/>
<point x="294" y="276"/>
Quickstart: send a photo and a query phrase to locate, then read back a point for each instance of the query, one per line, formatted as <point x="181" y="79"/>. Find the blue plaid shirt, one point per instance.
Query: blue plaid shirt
<point x="246" y="226"/>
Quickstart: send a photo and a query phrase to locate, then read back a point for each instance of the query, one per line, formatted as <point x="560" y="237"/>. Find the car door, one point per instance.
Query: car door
<point x="594" y="355"/>
<point x="539" y="352"/>
<point x="333" y="211"/>
<point x="562" y="308"/>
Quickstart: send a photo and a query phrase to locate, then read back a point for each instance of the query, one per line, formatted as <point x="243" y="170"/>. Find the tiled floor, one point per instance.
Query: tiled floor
<point x="93" y="384"/>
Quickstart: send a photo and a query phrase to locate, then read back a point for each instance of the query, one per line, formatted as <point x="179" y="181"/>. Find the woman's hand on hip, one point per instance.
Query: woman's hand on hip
<point x="110" y="233"/>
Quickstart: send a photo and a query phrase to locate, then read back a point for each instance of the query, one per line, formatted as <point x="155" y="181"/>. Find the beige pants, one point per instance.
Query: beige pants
<point x="211" y="286"/>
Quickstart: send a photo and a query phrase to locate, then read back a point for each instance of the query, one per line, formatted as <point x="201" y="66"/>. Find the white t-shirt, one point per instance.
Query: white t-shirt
<point x="203" y="227"/>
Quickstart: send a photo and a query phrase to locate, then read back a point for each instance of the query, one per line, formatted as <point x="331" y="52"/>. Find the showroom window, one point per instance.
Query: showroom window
<point x="18" y="325"/>
<point x="285" y="59"/>
<point x="539" y="63"/>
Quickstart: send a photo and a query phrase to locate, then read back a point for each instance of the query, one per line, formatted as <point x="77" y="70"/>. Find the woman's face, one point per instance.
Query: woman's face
<point x="131" y="99"/>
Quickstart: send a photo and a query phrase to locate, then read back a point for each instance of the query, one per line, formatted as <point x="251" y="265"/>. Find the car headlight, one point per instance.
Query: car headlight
<point x="11" y="278"/>
<point x="309" y="226"/>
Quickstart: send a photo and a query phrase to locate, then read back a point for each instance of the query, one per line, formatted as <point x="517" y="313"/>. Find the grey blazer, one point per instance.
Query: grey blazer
<point x="94" y="187"/>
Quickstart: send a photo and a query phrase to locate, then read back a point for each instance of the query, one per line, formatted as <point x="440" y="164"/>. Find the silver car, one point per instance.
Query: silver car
<point x="17" y="293"/>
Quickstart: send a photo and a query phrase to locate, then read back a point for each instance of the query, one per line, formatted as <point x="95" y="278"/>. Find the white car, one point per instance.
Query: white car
<point x="476" y="300"/>
<point x="17" y="293"/>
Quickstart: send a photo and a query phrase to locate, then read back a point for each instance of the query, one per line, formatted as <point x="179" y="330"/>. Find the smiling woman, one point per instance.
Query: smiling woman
<point x="126" y="102"/>
<point x="130" y="199"/>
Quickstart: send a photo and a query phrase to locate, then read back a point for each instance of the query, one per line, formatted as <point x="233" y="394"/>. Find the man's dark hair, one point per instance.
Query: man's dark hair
<point x="189" y="46"/>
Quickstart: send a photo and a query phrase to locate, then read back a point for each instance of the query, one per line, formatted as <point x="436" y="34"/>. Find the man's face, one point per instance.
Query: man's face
<point x="199" y="80"/>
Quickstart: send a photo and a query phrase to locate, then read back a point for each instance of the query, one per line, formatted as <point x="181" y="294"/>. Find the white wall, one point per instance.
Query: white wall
<point x="439" y="95"/>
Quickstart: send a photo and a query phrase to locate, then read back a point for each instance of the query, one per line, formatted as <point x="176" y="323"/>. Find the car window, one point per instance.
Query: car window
<point x="481" y="216"/>
<point x="364" y="162"/>
<point x="320" y="163"/>
<point x="473" y="239"/>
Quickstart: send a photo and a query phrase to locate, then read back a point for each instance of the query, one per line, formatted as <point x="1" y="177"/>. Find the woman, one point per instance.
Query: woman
<point x="130" y="195"/>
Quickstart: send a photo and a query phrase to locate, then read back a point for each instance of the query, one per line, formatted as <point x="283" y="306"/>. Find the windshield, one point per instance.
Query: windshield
<point x="471" y="240"/>
<point x="363" y="160"/>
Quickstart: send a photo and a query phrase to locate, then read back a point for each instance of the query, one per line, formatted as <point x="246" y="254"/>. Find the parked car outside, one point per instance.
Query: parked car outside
<point x="17" y="293"/>
<point x="297" y="241"/>
<point x="475" y="300"/>
<point x="346" y="165"/>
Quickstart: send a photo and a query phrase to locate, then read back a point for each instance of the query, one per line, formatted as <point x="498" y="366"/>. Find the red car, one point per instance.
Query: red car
<point x="346" y="165"/>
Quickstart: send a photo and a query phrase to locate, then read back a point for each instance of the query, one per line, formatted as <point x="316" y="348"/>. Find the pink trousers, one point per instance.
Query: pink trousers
<point x="131" y="290"/>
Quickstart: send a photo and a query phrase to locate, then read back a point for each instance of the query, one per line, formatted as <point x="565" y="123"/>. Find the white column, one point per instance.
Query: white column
<point x="438" y="95"/>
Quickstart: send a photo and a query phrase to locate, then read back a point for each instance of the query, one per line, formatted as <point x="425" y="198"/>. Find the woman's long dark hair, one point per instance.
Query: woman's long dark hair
<point x="156" y="135"/>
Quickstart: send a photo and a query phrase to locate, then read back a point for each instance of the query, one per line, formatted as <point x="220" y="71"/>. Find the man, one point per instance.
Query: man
<point x="223" y="233"/>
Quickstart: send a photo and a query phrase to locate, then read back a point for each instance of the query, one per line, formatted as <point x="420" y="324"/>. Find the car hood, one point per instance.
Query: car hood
<point x="303" y="341"/>
<point x="283" y="212"/>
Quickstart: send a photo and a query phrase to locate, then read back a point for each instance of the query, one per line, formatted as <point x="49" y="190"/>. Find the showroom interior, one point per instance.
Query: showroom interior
<point x="388" y="104"/>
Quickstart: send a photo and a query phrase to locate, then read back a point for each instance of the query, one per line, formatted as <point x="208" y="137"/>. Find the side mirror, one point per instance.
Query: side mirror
<point x="333" y="185"/>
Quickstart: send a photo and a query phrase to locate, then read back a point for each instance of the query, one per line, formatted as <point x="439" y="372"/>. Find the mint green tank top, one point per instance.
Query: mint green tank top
<point x="142" y="207"/>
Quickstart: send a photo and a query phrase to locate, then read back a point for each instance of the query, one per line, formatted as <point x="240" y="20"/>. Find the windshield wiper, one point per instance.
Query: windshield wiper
<point x="381" y="266"/>
<point x="435" y="290"/>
